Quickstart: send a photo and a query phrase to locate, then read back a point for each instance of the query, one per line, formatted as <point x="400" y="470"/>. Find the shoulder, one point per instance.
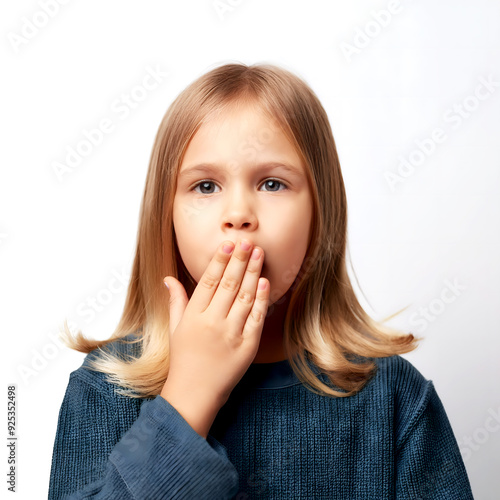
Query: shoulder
<point x="402" y="382"/>
<point x="397" y="374"/>
<point x="404" y="388"/>
<point x="124" y="348"/>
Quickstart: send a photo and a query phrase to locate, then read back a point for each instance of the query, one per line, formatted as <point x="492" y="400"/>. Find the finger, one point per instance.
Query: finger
<point x="255" y="321"/>
<point x="205" y="290"/>
<point x="177" y="301"/>
<point x="230" y="283"/>
<point x="245" y="297"/>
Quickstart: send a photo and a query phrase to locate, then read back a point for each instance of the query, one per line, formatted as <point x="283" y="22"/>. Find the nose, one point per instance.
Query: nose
<point x="239" y="213"/>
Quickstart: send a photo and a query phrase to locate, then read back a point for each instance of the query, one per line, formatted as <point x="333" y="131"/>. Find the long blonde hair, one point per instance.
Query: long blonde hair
<point x="324" y="319"/>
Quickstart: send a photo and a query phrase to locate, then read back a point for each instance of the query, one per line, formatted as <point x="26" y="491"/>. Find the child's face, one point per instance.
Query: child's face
<point x="240" y="201"/>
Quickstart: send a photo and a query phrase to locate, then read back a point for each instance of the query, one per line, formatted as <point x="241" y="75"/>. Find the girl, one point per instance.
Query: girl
<point x="256" y="373"/>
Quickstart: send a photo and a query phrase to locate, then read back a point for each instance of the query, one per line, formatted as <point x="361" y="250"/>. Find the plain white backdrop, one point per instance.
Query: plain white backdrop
<point x="412" y="90"/>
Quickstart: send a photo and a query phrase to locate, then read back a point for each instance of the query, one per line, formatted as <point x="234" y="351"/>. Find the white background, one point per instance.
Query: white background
<point x="63" y="239"/>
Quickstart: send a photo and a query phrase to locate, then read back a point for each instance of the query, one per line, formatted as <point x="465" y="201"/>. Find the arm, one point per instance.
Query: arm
<point x="160" y="456"/>
<point x="428" y="460"/>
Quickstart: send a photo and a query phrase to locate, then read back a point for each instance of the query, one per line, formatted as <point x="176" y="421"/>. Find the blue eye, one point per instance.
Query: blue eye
<point x="205" y="184"/>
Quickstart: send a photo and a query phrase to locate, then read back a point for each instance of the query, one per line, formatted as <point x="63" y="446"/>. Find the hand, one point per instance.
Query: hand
<point x="215" y="336"/>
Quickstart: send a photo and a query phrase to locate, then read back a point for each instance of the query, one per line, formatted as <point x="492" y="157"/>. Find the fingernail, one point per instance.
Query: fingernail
<point x="245" y="245"/>
<point x="166" y="284"/>
<point x="228" y="248"/>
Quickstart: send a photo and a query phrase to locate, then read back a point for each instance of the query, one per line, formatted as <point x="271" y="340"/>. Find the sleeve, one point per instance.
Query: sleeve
<point x="160" y="456"/>
<point x="428" y="461"/>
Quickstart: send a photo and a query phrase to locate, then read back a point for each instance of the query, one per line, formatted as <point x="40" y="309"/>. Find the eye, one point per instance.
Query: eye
<point x="275" y="182"/>
<point x="269" y="183"/>
<point x="203" y="184"/>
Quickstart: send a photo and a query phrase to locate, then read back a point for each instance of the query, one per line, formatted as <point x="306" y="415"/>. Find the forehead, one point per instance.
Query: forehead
<point x="242" y="134"/>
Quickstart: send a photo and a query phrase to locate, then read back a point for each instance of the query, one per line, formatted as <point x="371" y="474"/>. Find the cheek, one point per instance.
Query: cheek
<point x="290" y="252"/>
<point x="185" y="238"/>
<point x="175" y="216"/>
<point x="285" y="264"/>
<point x="193" y="214"/>
<point x="191" y="258"/>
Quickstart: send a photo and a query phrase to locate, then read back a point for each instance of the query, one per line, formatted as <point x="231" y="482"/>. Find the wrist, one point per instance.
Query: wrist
<point x="198" y="412"/>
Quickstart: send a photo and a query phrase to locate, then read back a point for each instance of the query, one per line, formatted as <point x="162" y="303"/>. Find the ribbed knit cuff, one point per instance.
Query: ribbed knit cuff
<point x="162" y="456"/>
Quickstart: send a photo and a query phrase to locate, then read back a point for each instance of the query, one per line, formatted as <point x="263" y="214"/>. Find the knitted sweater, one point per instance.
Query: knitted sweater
<point x="273" y="439"/>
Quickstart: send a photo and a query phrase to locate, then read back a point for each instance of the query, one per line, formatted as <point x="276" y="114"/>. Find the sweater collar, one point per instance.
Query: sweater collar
<point x="276" y="375"/>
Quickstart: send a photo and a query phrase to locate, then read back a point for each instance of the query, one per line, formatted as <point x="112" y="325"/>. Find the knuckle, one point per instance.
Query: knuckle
<point x="233" y="341"/>
<point x="242" y="257"/>
<point x="245" y="297"/>
<point x="211" y="325"/>
<point x="229" y="283"/>
<point x="209" y="281"/>
<point x="254" y="269"/>
<point x="256" y="315"/>
<point x="221" y="257"/>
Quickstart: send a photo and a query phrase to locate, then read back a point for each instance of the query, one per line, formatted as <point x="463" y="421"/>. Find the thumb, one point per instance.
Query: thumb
<point x="178" y="301"/>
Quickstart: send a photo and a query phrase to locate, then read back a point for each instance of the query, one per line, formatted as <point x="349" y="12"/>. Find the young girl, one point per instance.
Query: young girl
<point x="256" y="373"/>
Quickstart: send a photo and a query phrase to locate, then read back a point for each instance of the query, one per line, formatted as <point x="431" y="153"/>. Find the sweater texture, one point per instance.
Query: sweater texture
<point x="273" y="439"/>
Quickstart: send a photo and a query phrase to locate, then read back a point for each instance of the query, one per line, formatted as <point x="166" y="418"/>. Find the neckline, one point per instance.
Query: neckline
<point x="275" y="375"/>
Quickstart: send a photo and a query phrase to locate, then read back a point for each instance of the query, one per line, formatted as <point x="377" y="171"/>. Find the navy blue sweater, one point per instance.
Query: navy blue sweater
<point x="273" y="439"/>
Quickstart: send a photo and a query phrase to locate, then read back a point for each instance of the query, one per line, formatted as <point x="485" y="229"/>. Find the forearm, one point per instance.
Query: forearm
<point x="199" y="411"/>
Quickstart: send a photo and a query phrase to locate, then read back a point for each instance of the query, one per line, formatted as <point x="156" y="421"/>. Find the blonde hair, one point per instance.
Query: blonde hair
<point x="324" y="320"/>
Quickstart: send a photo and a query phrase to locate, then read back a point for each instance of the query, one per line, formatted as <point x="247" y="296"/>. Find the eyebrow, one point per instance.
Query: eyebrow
<point x="211" y="167"/>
